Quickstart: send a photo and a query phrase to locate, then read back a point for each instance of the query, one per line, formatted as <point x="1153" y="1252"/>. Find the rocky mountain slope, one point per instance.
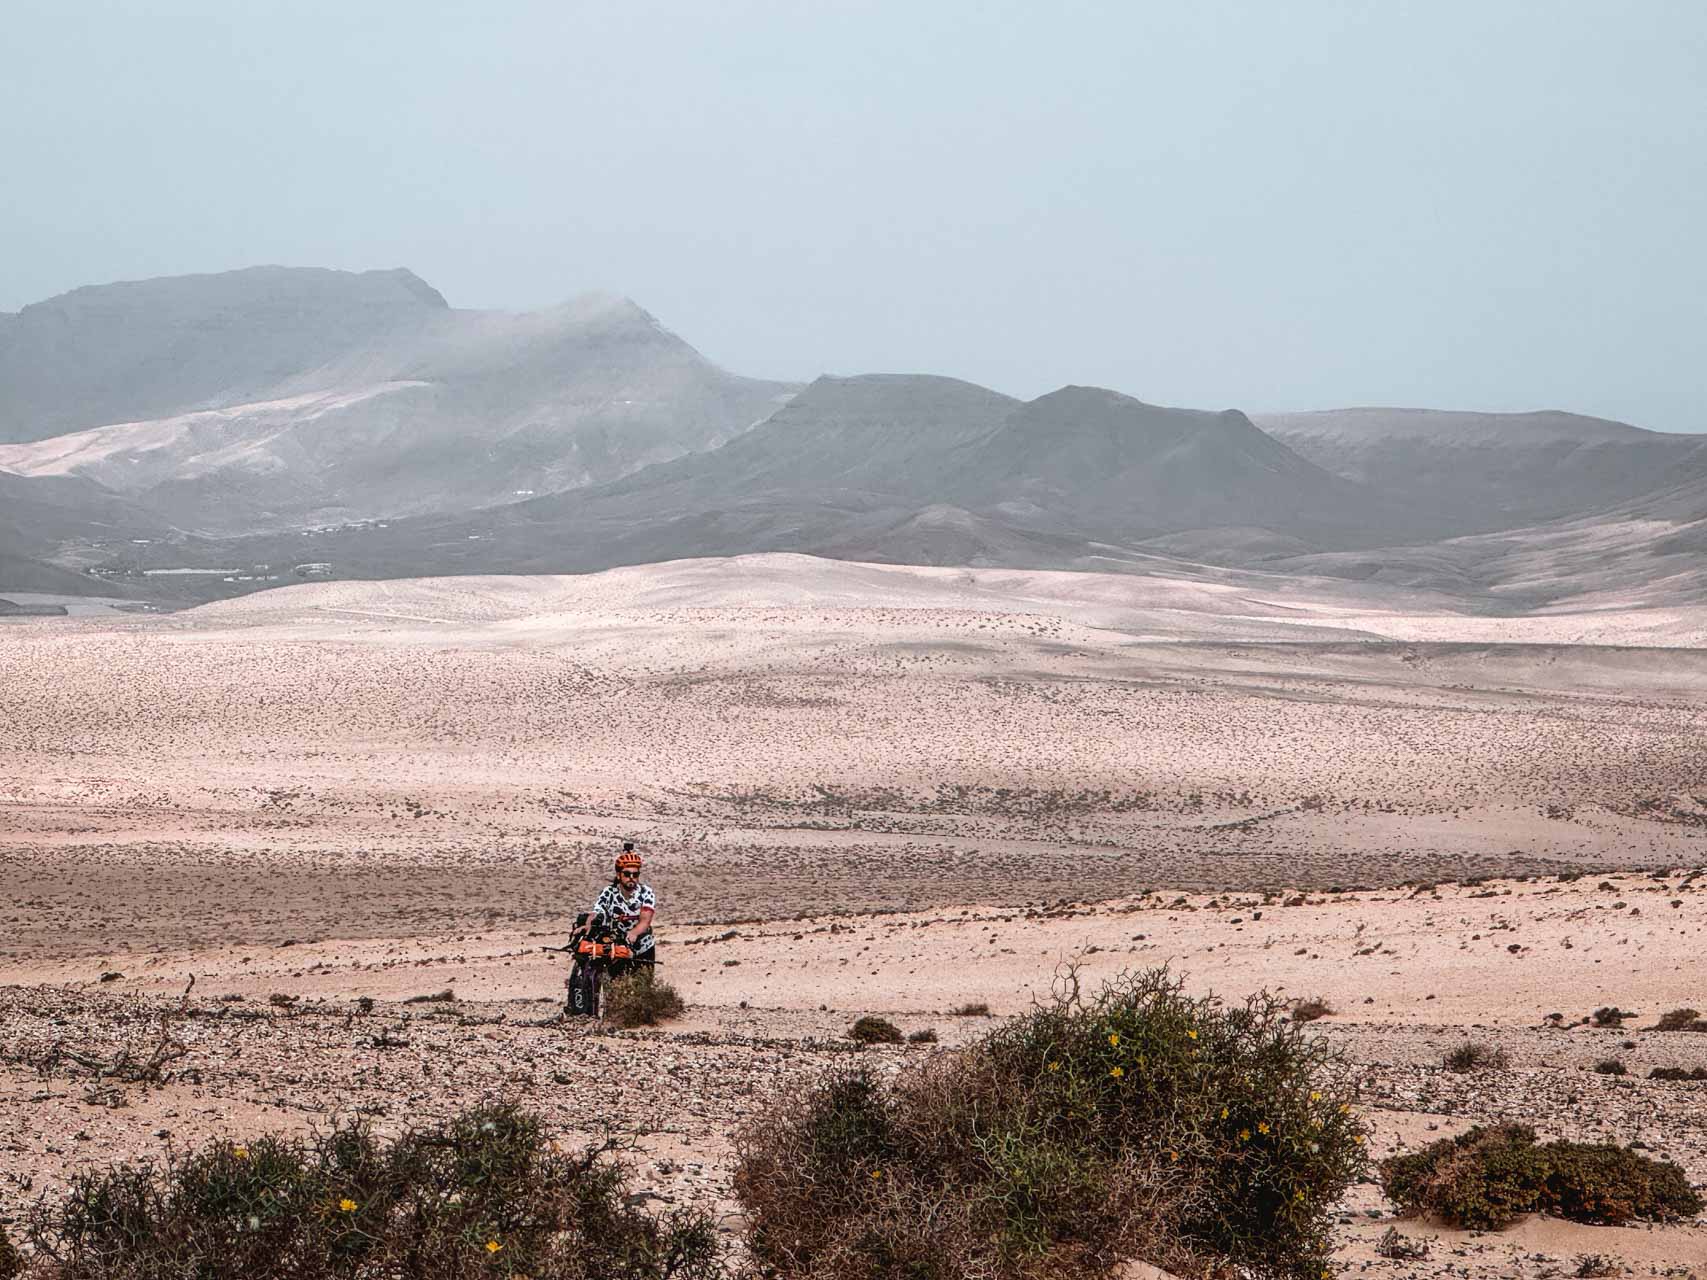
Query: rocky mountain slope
<point x="1478" y="472"/>
<point x="912" y="470"/>
<point x="277" y="398"/>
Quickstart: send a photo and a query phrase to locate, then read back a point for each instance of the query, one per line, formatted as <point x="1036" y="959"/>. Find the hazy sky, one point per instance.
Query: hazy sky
<point x="1268" y="205"/>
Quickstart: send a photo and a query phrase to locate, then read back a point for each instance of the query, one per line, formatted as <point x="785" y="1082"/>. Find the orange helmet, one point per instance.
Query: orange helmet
<point x="628" y="860"/>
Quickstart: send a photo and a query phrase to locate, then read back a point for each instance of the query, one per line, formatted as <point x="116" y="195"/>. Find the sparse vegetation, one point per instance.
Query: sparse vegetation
<point x="1682" y="1020"/>
<point x="1610" y="1016"/>
<point x="1310" y="1009"/>
<point x="482" y="1194"/>
<point x="1611" y="1067"/>
<point x="1400" y="1248"/>
<point x="975" y="1009"/>
<point x="1471" y="1057"/>
<point x="11" y="1264"/>
<point x="1139" y="1123"/>
<point x="1596" y="1266"/>
<point x="437" y="997"/>
<point x="1678" y="1073"/>
<point x="1489" y="1177"/>
<point x="925" y="1035"/>
<point x="874" y="1030"/>
<point x="641" y="999"/>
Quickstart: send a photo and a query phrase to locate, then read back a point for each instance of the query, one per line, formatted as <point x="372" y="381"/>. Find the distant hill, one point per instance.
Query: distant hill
<point x="1477" y="472"/>
<point x="12" y="609"/>
<point x="150" y="348"/>
<point x="277" y="398"/>
<point x="39" y="516"/>
<point x="907" y="469"/>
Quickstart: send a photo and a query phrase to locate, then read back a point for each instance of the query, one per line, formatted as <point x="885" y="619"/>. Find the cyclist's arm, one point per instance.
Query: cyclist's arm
<point x="642" y="926"/>
<point x="592" y="915"/>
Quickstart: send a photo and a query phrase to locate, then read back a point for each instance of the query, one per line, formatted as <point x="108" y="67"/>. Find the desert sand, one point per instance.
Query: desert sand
<point x="859" y="788"/>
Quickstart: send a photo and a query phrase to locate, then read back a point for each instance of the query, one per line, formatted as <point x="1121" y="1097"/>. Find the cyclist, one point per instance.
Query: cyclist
<point x="627" y="906"/>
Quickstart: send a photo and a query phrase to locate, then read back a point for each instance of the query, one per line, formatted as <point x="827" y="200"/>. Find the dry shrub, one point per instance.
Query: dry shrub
<point x="1597" y="1266"/>
<point x="1401" y="1248"/>
<point x="481" y="1195"/>
<point x="926" y="1035"/>
<point x="1311" y="1009"/>
<point x="11" y="1265"/>
<point x="641" y="999"/>
<point x="1611" y="1067"/>
<point x="976" y="1009"/>
<point x="1681" y="1020"/>
<point x="875" y="1030"/>
<point x="1488" y="1178"/>
<point x="1470" y="1056"/>
<point x="1137" y="1124"/>
<point x="1610" y="1016"/>
<point x="1678" y="1073"/>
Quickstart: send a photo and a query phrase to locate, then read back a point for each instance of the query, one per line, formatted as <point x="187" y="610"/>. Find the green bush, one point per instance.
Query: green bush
<point x="1138" y="1123"/>
<point x="641" y="999"/>
<point x="1488" y="1178"/>
<point x="1595" y="1182"/>
<point x="481" y="1195"/>
<point x="1485" y="1179"/>
<point x="874" y="1030"/>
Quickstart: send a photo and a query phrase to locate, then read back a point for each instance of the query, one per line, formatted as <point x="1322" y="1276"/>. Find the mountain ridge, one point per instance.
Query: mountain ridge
<point x="357" y="419"/>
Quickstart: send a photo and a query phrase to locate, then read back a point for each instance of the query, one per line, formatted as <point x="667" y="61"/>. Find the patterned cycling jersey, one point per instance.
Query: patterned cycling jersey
<point x="623" y="910"/>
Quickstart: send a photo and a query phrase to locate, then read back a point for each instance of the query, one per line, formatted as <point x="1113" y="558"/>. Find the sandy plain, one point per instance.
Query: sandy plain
<point x="901" y="790"/>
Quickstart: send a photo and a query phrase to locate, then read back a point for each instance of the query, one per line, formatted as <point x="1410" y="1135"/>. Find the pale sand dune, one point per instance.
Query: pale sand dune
<point x="1176" y="601"/>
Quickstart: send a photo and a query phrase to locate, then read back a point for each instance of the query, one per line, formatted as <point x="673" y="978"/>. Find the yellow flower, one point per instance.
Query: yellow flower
<point x="1262" y="1126"/>
<point x="1117" y="1072"/>
<point x="1192" y="1033"/>
<point x="1357" y="1138"/>
<point x="242" y="1153"/>
<point x="348" y="1205"/>
<point x="1223" y="1113"/>
<point x="1345" y="1108"/>
<point x="1244" y="1135"/>
<point x="1114" y="1039"/>
<point x="876" y="1173"/>
<point x="1173" y="1155"/>
<point x="1054" y="1066"/>
<point x="1315" y="1096"/>
<point x="492" y="1246"/>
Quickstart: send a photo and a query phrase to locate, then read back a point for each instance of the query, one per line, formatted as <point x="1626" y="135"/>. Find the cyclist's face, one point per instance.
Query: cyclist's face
<point x="628" y="879"/>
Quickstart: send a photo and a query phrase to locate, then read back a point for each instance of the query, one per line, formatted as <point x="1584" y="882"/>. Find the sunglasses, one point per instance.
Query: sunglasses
<point x="628" y="875"/>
